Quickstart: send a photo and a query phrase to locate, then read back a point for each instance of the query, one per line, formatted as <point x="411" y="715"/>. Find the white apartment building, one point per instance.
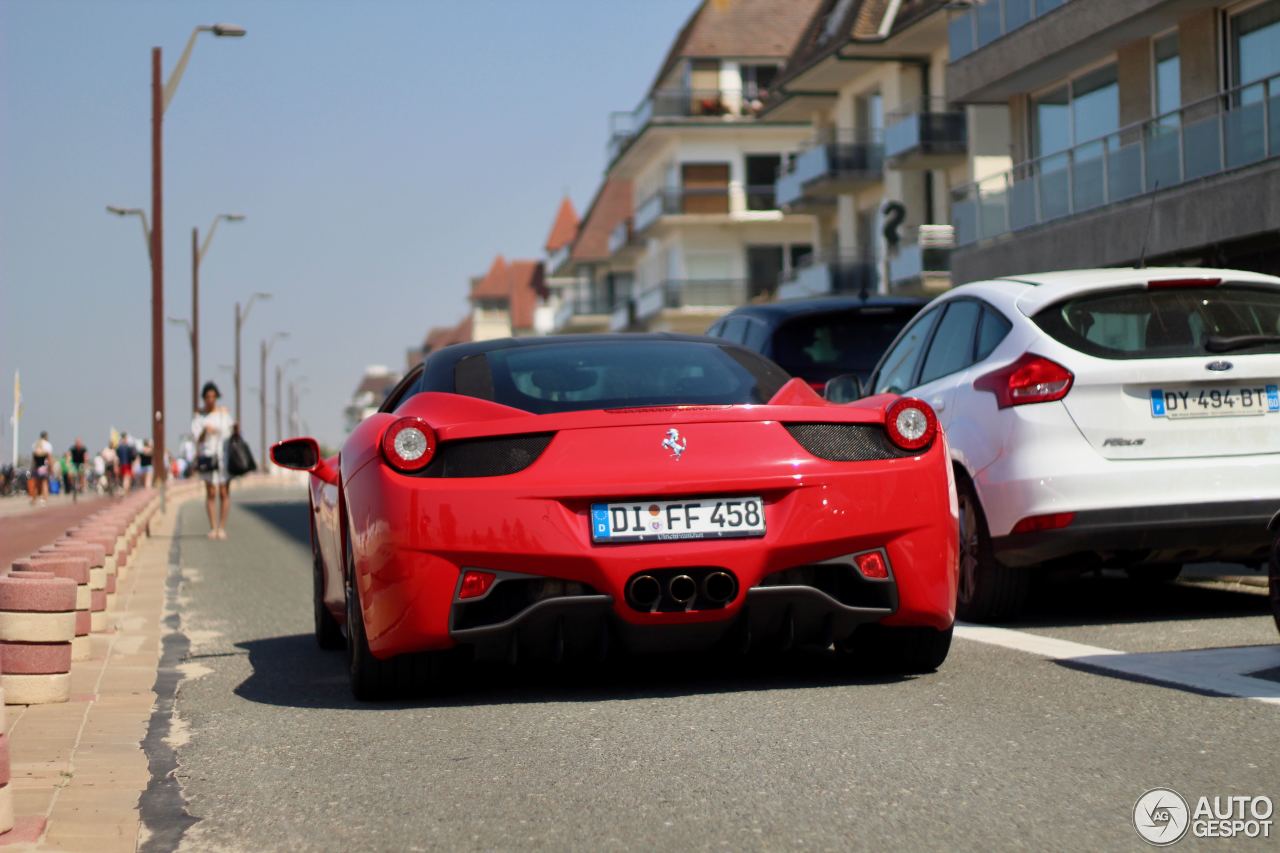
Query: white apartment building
<point x="885" y="149"/>
<point x="705" y="232"/>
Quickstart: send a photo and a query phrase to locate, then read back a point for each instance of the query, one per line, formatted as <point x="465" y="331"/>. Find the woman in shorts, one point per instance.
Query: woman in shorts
<point x="212" y="427"/>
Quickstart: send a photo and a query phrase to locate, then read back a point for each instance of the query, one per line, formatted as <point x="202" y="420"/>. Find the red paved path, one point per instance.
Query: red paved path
<point x="23" y="533"/>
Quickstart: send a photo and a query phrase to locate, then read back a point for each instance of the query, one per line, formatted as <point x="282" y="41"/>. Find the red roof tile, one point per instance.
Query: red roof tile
<point x="611" y="205"/>
<point x="565" y="227"/>
<point x="494" y="284"/>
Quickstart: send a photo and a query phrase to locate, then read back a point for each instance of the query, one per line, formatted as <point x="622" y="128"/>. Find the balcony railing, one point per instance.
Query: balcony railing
<point x="990" y="20"/>
<point x="1234" y="128"/>
<point x="675" y="104"/>
<point x="676" y="200"/>
<point x="622" y="236"/>
<point x="558" y="258"/>
<point x="704" y="293"/>
<point x="831" y="272"/>
<point x="929" y="127"/>
<point x="840" y="156"/>
<point x="926" y="252"/>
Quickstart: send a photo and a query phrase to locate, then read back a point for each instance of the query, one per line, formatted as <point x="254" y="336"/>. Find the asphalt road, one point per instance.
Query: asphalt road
<point x="1003" y="749"/>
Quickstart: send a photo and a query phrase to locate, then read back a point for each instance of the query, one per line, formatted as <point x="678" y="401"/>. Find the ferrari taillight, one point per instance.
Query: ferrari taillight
<point x="1030" y="379"/>
<point x="408" y="444"/>
<point x="475" y="584"/>
<point x="911" y="424"/>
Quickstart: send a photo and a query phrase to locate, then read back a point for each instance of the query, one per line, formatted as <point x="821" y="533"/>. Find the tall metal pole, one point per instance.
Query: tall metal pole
<point x="237" y="370"/>
<point x="262" y="401"/>
<point x="279" y="379"/>
<point x="195" y="319"/>
<point x="157" y="272"/>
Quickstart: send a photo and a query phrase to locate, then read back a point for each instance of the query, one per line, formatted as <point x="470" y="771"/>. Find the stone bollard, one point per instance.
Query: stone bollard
<point x="6" y="793"/>
<point x="75" y="567"/>
<point x="37" y="626"/>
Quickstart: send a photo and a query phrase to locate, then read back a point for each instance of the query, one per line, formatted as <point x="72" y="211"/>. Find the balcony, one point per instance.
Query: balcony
<point x="984" y="23"/>
<point x="931" y="134"/>
<point x="838" y="162"/>
<point x="674" y="201"/>
<point x="623" y="239"/>
<point x="831" y="274"/>
<point x="558" y="260"/>
<point x="694" y="297"/>
<point x="677" y="106"/>
<point x="1235" y="128"/>
<point x="925" y="261"/>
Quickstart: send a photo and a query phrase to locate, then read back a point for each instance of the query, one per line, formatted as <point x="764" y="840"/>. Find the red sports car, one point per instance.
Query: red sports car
<point x="564" y="496"/>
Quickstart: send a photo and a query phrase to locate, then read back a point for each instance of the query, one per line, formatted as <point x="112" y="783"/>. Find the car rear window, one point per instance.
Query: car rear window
<point x="1163" y="323"/>
<point x="623" y="373"/>
<point x="843" y="342"/>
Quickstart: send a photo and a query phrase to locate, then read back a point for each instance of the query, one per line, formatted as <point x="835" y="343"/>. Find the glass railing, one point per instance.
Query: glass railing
<point x="558" y="258"/>
<point x="929" y="126"/>
<point x="681" y="104"/>
<point x="674" y="200"/>
<point x="988" y="21"/>
<point x="843" y="154"/>
<point x="704" y="293"/>
<point x="924" y="250"/>
<point x="831" y="272"/>
<point x="1229" y="130"/>
<point x="622" y="235"/>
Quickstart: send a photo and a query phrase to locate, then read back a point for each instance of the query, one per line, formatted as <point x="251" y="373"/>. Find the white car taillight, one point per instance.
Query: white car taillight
<point x="1030" y="379"/>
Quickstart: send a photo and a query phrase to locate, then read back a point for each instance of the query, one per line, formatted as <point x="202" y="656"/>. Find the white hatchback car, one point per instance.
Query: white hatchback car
<point x="1101" y="418"/>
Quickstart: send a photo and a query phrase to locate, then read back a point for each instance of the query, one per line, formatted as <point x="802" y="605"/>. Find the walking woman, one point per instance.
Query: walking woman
<point x="212" y="427"/>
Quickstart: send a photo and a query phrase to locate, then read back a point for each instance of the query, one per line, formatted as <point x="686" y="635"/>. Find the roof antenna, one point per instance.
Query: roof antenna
<point x="1142" y="256"/>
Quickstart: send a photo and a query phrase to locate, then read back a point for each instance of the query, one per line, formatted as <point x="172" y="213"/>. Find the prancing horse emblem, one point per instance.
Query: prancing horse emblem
<point x="675" y="443"/>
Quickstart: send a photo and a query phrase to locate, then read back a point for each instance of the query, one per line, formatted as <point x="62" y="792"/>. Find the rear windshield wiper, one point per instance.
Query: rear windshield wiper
<point x="1217" y="343"/>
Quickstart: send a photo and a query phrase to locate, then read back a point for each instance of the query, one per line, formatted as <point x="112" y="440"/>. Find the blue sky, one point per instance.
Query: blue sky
<point x="383" y="152"/>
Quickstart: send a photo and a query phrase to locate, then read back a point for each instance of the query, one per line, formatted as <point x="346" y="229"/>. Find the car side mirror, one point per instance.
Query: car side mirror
<point x="844" y="388"/>
<point x="298" y="454"/>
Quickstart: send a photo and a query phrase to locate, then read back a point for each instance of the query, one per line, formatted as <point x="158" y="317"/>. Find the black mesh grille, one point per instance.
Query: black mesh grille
<point x="486" y="457"/>
<point x="847" y="442"/>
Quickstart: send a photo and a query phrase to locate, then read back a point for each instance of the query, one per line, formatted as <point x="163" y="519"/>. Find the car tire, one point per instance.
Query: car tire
<point x="1273" y="578"/>
<point x="328" y="631"/>
<point x="986" y="590"/>
<point x="1164" y="573"/>
<point x="374" y="680"/>
<point x="900" y="651"/>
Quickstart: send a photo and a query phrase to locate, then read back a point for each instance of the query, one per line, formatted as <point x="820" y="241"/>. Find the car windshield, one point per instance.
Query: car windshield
<point x="1165" y="322"/>
<point x="572" y="376"/>
<point x="821" y="346"/>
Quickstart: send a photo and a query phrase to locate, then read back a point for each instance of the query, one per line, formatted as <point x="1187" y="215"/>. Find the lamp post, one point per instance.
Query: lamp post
<point x="241" y="316"/>
<point x="161" y="95"/>
<point x="267" y="344"/>
<point x="198" y="251"/>
<point x="280" y="369"/>
<point x="297" y="388"/>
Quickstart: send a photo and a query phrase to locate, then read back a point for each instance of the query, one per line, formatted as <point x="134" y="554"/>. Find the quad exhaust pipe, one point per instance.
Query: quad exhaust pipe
<point x="719" y="587"/>
<point x="644" y="591"/>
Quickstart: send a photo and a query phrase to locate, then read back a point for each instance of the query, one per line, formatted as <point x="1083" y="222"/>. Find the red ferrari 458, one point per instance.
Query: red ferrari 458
<point x="567" y="496"/>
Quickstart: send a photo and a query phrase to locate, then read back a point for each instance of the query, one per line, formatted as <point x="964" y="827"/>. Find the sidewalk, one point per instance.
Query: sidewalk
<point x="79" y="768"/>
<point x="24" y="527"/>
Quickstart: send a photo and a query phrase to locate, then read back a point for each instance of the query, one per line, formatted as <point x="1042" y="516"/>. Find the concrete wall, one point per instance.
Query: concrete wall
<point x="1227" y="207"/>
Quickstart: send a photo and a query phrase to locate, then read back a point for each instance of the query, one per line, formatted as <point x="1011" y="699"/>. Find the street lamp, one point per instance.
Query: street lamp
<point x="138" y="212"/>
<point x="198" y="251"/>
<point x="241" y="316"/>
<point x="161" y="95"/>
<point x="280" y="369"/>
<point x="267" y="344"/>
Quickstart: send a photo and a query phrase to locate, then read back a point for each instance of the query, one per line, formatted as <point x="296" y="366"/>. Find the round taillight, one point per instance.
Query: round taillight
<point x="911" y="423"/>
<point x="409" y="444"/>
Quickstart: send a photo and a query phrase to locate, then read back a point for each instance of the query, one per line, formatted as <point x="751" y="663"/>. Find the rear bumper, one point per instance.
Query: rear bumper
<point x="585" y="626"/>
<point x="1230" y="532"/>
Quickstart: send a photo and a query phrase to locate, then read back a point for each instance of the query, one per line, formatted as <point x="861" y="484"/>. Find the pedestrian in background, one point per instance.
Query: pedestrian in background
<point x="145" y="463"/>
<point x="126" y="457"/>
<point x="79" y="455"/>
<point x="212" y="427"/>
<point x="41" y="468"/>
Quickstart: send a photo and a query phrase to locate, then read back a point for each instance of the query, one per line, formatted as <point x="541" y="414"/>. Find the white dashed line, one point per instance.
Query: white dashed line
<point x="1221" y="671"/>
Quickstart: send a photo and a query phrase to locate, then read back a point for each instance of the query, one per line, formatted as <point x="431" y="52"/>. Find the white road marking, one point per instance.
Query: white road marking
<point x="1222" y="671"/>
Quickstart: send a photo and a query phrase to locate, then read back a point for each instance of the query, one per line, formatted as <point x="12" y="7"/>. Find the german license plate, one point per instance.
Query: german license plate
<point x="693" y="518"/>
<point x="1176" y="403"/>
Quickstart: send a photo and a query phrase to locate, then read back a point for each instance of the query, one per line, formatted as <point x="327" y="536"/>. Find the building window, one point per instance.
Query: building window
<point x="1083" y="110"/>
<point x="757" y="80"/>
<point x="1167" y="89"/>
<point x="762" y="172"/>
<point x="1255" y="44"/>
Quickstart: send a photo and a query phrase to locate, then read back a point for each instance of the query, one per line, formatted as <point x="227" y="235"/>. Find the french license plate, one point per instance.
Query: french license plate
<point x="1202" y="402"/>
<point x="694" y="518"/>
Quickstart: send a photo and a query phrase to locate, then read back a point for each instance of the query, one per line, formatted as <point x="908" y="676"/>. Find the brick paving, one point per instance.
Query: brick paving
<point x="24" y="530"/>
